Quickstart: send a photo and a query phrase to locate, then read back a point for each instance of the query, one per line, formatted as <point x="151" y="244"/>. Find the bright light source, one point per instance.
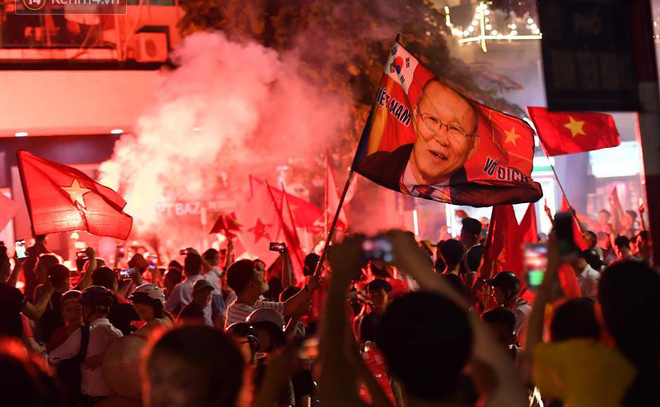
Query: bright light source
<point x="489" y="27"/>
<point x="21" y="133"/>
<point x="494" y="32"/>
<point x="197" y="129"/>
<point x="474" y="22"/>
<point x="466" y="33"/>
<point x="117" y="131"/>
<point x="487" y="12"/>
<point x="513" y="26"/>
<point x="470" y="28"/>
<point x="514" y="32"/>
<point x="530" y="20"/>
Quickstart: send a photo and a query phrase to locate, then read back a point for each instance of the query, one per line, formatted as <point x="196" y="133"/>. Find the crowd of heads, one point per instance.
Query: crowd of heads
<point x="210" y="337"/>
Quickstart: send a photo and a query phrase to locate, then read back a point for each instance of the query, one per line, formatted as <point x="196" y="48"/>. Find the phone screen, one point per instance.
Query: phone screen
<point x="536" y="262"/>
<point x="125" y="274"/>
<point x="20" y="249"/>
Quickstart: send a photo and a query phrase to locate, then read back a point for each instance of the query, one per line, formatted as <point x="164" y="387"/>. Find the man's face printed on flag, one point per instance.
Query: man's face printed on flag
<point x="445" y="124"/>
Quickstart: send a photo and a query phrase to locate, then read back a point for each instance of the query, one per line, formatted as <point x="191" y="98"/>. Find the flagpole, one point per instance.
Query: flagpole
<point x="561" y="187"/>
<point x="331" y="232"/>
<point x="327" y="190"/>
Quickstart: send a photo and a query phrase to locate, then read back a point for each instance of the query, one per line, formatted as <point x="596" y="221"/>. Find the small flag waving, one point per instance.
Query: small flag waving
<point x="62" y="199"/>
<point x="577" y="231"/>
<point x="528" y="230"/>
<point x="423" y="138"/>
<point x="574" y="132"/>
<point x="502" y="249"/>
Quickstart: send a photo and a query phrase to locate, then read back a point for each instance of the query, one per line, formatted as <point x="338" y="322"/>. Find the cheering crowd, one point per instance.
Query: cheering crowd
<point x="385" y="321"/>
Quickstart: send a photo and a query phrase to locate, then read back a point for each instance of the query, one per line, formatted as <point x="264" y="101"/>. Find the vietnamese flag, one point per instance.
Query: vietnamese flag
<point x="574" y="132"/>
<point x="62" y="199"/>
<point x="528" y="231"/>
<point x="503" y="250"/>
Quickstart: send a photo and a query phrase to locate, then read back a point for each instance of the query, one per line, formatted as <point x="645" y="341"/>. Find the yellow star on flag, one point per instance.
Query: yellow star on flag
<point x="511" y="136"/>
<point x="575" y="126"/>
<point x="76" y="192"/>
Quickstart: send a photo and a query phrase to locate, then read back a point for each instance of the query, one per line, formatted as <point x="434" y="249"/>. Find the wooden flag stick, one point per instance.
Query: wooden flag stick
<point x="331" y="232"/>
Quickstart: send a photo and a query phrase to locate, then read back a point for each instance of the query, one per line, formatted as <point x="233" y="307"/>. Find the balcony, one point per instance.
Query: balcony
<point x="139" y="39"/>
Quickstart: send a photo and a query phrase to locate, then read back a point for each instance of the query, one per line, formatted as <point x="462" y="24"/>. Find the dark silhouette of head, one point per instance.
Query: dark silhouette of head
<point x="423" y="332"/>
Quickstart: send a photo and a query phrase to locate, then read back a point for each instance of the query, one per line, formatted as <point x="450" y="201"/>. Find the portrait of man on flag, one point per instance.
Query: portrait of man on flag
<point x="425" y="139"/>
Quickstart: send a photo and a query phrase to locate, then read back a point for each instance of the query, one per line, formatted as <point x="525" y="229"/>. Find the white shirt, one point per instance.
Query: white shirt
<point x="213" y="277"/>
<point x="522" y="310"/>
<point x="238" y="312"/>
<point x="409" y="183"/>
<point x="101" y="335"/>
<point x="182" y="295"/>
<point x="588" y="281"/>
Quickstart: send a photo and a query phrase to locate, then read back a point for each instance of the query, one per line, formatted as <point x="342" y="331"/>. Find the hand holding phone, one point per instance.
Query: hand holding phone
<point x="20" y="249"/>
<point x="536" y="263"/>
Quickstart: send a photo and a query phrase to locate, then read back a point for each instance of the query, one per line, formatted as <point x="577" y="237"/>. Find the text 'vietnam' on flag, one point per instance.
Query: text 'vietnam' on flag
<point x="62" y="199"/>
<point x="574" y="132"/>
<point x="424" y="138"/>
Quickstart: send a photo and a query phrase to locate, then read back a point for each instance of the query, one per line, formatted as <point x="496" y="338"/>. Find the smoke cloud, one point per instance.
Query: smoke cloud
<point x="229" y="110"/>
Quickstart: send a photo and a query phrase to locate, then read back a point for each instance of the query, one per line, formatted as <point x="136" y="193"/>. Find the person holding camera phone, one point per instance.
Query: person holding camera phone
<point x="421" y="332"/>
<point x="248" y="282"/>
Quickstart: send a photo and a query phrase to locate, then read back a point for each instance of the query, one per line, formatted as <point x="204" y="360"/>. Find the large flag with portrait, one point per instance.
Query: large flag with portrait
<point x="425" y="139"/>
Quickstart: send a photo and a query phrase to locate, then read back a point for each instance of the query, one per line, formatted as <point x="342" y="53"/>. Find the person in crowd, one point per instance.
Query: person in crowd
<point x="149" y="302"/>
<point x="502" y="324"/>
<point x="173" y="276"/>
<point x="13" y="302"/>
<point x="586" y="275"/>
<point x="421" y="332"/>
<point x="29" y="271"/>
<point x="71" y="311"/>
<point x="630" y="305"/>
<point x="218" y="306"/>
<point x="194" y="313"/>
<point x="606" y="247"/>
<point x="378" y="291"/>
<point x="451" y="251"/>
<point x="138" y="265"/>
<point x="182" y="294"/>
<point x="643" y="247"/>
<point x="44" y="263"/>
<point x="575" y="367"/>
<point x="195" y="366"/>
<point x="622" y="248"/>
<point x="247" y="341"/>
<point x="506" y="293"/>
<point x="121" y="313"/>
<point x="629" y="223"/>
<point x="269" y="325"/>
<point x="248" y="283"/>
<point x="474" y="250"/>
<point x="52" y="317"/>
<point x="25" y="379"/>
<point x="96" y="302"/>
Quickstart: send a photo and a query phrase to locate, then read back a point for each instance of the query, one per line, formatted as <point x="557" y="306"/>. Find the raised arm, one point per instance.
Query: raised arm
<point x="338" y="379"/>
<point x="305" y="295"/>
<point x="488" y="357"/>
<point x="535" y="324"/>
<point x="90" y="266"/>
<point x="18" y="266"/>
<point x="34" y="312"/>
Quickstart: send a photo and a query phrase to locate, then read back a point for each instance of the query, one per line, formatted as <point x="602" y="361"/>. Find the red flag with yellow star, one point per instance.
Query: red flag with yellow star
<point x="427" y="139"/>
<point x="62" y="199"/>
<point x="574" y="132"/>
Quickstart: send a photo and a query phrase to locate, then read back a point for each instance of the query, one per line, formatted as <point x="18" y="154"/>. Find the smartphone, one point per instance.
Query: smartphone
<point x="377" y="248"/>
<point x="152" y="267"/>
<point x="564" y="232"/>
<point x="20" y="249"/>
<point x="536" y="262"/>
<point x="125" y="274"/>
<point x="277" y="246"/>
